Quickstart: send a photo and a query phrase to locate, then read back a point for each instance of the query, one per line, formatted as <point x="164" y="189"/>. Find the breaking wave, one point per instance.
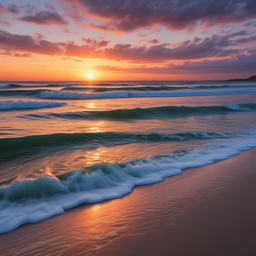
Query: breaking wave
<point x="23" y="93"/>
<point x="33" y="200"/>
<point x="2" y="86"/>
<point x="11" y="105"/>
<point x="152" y="113"/>
<point x="62" y="139"/>
<point x="123" y="94"/>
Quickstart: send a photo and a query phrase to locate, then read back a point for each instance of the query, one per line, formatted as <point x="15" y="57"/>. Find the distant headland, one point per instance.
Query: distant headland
<point x="250" y="79"/>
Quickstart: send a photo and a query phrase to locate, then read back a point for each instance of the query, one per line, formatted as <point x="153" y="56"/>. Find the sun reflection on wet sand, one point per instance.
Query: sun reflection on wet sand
<point x="94" y="229"/>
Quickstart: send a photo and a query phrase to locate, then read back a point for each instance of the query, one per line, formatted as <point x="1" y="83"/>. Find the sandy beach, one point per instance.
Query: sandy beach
<point x="205" y="211"/>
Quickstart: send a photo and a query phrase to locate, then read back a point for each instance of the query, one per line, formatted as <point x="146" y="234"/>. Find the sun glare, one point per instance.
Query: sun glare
<point x="90" y="76"/>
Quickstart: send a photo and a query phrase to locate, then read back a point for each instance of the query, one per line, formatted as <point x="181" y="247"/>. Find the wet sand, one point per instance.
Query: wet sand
<point x="205" y="211"/>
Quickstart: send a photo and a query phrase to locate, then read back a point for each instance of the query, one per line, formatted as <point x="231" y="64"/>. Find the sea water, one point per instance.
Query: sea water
<point x="63" y="144"/>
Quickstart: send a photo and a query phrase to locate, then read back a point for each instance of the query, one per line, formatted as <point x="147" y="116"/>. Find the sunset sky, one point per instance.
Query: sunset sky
<point x="127" y="39"/>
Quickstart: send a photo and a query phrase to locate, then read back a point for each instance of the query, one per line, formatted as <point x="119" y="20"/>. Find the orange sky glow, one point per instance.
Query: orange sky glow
<point x="62" y="40"/>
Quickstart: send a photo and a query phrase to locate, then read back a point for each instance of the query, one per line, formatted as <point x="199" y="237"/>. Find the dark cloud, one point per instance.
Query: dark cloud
<point x="240" y="33"/>
<point x="246" y="40"/>
<point x="251" y="51"/>
<point x="129" y="15"/>
<point x="45" y="18"/>
<point x="8" y="53"/>
<point x="247" y="24"/>
<point x="13" y="8"/>
<point x="238" y="64"/>
<point x="154" y="41"/>
<point x="10" y="41"/>
<point x="95" y="43"/>
<point x="213" y="46"/>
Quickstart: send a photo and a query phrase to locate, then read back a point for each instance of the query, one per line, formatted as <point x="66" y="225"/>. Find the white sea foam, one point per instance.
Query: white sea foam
<point x="2" y="86"/>
<point x="77" y="95"/>
<point x="30" y="201"/>
<point x="9" y="105"/>
<point x="236" y="107"/>
<point x="112" y="95"/>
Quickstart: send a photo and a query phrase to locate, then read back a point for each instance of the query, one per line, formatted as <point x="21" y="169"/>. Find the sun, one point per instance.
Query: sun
<point x="91" y="76"/>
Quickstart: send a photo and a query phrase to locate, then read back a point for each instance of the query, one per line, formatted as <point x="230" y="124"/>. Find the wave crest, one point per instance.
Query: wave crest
<point x="156" y="112"/>
<point x="10" y="105"/>
<point x="121" y="94"/>
<point x="29" y="201"/>
<point x="105" y="138"/>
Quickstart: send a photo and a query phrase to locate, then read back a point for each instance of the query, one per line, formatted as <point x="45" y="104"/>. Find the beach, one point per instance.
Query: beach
<point x="205" y="211"/>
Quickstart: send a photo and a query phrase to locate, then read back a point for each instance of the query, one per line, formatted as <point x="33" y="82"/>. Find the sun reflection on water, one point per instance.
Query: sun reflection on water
<point x="91" y="105"/>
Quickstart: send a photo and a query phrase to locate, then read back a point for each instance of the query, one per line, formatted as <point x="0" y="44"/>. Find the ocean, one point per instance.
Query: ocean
<point x="63" y="144"/>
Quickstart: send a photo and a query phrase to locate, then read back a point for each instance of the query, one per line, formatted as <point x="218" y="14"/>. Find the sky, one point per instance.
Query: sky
<point x="66" y="40"/>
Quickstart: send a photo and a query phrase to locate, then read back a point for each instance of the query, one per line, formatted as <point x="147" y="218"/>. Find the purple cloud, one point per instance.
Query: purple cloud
<point x="246" y="40"/>
<point x="129" y="15"/>
<point x="13" y="8"/>
<point x="240" y="33"/>
<point x="45" y="18"/>
<point x="95" y="43"/>
<point x="213" y="46"/>
<point x="8" y="53"/>
<point x="154" y="41"/>
<point x="238" y="64"/>
<point x="15" y="42"/>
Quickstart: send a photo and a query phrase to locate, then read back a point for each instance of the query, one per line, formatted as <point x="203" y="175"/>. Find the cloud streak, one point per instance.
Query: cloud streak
<point x="129" y="15"/>
<point x="45" y="18"/>
<point x="10" y="42"/>
<point x="238" y="64"/>
<point x="213" y="46"/>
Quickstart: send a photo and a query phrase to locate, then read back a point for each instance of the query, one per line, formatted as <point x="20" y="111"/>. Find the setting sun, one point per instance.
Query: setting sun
<point x="90" y="76"/>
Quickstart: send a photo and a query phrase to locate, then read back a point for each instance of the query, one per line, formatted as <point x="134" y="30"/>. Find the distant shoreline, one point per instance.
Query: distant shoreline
<point x="250" y="79"/>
